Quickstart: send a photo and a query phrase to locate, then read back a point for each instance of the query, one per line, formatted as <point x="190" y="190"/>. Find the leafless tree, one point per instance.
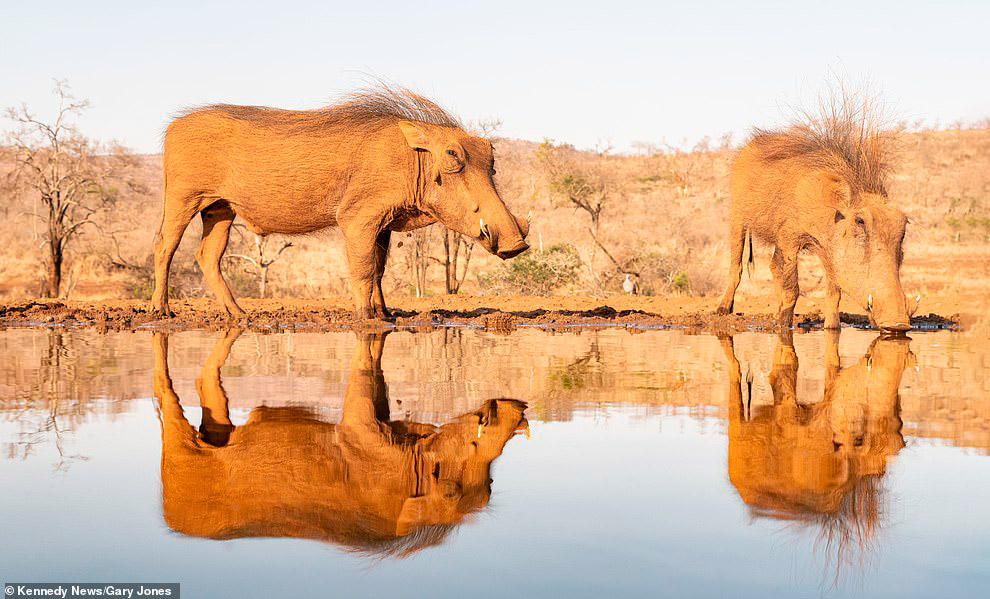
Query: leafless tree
<point x="418" y="257"/>
<point x="589" y="187"/>
<point x="68" y="175"/>
<point x="262" y="257"/>
<point x="455" y="246"/>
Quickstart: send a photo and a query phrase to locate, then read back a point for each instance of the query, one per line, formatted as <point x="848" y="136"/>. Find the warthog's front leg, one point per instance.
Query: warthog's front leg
<point x="362" y="263"/>
<point x="833" y="297"/>
<point x="783" y="266"/>
<point x="381" y="256"/>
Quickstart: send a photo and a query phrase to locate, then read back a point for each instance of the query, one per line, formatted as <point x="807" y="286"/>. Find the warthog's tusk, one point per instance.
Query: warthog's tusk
<point x="529" y="215"/>
<point x="869" y="302"/>
<point x="479" y="430"/>
<point x="481" y="226"/>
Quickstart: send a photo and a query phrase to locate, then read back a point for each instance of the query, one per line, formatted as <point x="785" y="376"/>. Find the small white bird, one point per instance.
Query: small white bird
<point x="630" y="285"/>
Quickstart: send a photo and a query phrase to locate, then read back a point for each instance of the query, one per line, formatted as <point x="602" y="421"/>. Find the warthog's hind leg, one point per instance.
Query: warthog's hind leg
<point x="217" y="218"/>
<point x="737" y="236"/>
<point x="176" y="214"/>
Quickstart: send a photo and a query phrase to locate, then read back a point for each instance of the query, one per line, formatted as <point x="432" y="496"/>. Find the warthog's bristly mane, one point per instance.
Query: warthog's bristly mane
<point x="366" y="109"/>
<point x="845" y="137"/>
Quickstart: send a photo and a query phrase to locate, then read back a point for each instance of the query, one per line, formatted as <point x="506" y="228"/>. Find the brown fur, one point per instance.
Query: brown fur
<point x="367" y="483"/>
<point x="383" y="160"/>
<point x="818" y="461"/>
<point x="821" y="187"/>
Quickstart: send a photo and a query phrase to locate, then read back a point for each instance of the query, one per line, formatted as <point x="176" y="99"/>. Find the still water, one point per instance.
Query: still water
<point x="460" y="463"/>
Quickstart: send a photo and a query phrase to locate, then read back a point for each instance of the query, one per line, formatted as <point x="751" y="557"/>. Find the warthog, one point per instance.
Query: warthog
<point x="367" y="483"/>
<point x="818" y="460"/>
<point x="384" y="160"/>
<point x="821" y="188"/>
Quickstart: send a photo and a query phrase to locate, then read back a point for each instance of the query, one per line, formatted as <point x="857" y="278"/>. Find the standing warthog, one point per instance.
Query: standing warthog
<point x="821" y="188"/>
<point x="367" y="483"/>
<point x="383" y="160"/>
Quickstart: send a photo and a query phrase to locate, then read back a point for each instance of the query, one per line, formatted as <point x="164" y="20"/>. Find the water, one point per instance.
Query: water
<point x="644" y="463"/>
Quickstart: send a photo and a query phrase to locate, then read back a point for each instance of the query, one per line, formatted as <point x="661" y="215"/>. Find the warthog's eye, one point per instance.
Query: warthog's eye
<point x="452" y="153"/>
<point x="838" y="216"/>
<point x="860" y="221"/>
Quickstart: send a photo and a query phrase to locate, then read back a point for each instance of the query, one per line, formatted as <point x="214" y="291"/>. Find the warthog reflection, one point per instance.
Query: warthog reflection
<point x="819" y="462"/>
<point x="367" y="483"/>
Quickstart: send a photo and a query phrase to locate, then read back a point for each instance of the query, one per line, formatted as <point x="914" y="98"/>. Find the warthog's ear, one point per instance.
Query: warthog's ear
<point x="415" y="135"/>
<point x="827" y="188"/>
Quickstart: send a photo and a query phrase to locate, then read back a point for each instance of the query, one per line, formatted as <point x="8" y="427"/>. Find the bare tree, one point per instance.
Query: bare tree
<point x="589" y="187"/>
<point x="417" y="258"/>
<point x="68" y="175"/>
<point x="262" y="257"/>
<point x="453" y="243"/>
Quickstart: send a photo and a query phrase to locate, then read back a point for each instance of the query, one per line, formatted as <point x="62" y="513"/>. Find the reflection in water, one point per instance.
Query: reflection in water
<point x="367" y="483"/>
<point x="819" y="462"/>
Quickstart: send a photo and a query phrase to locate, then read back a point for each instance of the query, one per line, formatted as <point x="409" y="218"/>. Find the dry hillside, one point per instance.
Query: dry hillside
<point x="664" y="217"/>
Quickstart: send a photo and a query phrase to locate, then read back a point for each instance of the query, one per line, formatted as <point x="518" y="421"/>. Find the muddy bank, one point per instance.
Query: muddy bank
<point x="492" y="313"/>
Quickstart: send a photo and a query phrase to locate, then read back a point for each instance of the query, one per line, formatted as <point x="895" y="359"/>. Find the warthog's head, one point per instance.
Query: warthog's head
<point x="862" y="247"/>
<point x="454" y="469"/>
<point x="864" y="428"/>
<point x="460" y="190"/>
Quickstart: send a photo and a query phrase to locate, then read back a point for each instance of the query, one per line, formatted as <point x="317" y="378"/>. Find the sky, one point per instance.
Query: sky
<point x="585" y="73"/>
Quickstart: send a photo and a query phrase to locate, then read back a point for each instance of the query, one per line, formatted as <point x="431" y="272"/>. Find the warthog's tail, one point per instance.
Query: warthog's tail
<point x="748" y="252"/>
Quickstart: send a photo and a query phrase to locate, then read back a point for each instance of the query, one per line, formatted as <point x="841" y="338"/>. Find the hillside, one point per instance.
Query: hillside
<point x="665" y="218"/>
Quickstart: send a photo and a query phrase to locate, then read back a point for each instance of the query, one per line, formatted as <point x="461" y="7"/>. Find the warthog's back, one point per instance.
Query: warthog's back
<point x="282" y="171"/>
<point x="763" y="192"/>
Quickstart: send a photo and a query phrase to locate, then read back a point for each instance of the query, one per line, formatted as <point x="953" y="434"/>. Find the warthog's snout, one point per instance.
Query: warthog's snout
<point x="896" y="327"/>
<point x="513" y="251"/>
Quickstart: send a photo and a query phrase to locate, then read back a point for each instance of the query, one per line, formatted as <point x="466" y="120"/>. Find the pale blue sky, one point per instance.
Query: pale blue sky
<point x="572" y="71"/>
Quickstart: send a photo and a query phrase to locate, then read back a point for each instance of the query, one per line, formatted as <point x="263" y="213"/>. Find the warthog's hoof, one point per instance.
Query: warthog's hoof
<point x="162" y="313"/>
<point x="723" y="310"/>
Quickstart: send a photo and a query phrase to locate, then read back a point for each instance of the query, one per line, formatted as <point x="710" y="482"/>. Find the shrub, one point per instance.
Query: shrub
<point x="534" y="273"/>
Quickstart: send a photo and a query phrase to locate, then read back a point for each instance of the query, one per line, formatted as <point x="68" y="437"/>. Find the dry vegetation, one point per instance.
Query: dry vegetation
<point x="660" y="214"/>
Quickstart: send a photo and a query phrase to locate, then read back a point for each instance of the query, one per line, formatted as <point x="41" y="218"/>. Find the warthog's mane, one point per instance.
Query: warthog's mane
<point x="366" y="110"/>
<point x="846" y="136"/>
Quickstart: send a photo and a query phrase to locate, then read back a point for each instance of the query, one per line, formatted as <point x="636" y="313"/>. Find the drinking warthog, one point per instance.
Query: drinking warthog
<point x="818" y="460"/>
<point x="367" y="483"/>
<point x="384" y="160"/>
<point x="821" y="188"/>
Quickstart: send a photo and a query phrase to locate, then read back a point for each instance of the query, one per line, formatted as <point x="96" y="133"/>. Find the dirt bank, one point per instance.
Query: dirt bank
<point x="501" y="313"/>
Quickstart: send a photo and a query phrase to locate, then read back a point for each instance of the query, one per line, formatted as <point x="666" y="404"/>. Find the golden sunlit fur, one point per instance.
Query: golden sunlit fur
<point x="383" y="160"/>
<point x="822" y="186"/>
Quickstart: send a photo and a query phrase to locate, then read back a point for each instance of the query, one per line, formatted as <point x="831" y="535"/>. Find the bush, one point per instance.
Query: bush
<point x="534" y="273"/>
